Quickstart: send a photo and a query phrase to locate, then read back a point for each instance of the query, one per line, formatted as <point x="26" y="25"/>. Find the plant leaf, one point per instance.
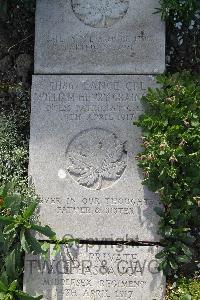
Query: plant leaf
<point x="10" y="266"/>
<point x="23" y="296"/>
<point x="7" y="220"/>
<point x="29" y="210"/>
<point x="186" y="297"/>
<point x="13" y="202"/>
<point x="3" y="287"/>
<point x="45" y="230"/>
<point x="33" y="244"/>
<point x="9" y="228"/>
<point x="13" y="286"/>
<point x="23" y="241"/>
<point x="160" y="255"/>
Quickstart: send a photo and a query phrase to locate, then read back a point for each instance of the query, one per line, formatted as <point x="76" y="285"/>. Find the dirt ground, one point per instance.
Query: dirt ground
<point x="17" y="45"/>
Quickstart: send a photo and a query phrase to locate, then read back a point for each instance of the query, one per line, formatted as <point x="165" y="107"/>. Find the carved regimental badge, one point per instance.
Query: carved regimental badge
<point x="100" y="13"/>
<point x="96" y="158"/>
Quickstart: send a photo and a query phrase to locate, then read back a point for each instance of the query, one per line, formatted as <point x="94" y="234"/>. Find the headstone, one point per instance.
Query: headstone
<point x="96" y="272"/>
<point x="102" y="36"/>
<point x="83" y="149"/>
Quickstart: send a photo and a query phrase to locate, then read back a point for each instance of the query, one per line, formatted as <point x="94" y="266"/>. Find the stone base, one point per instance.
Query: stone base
<point x="96" y="272"/>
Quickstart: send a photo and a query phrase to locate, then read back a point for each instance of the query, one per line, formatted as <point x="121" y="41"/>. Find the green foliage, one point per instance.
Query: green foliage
<point x="171" y="162"/>
<point x="15" y="100"/>
<point x="178" y="10"/>
<point x="13" y="152"/>
<point x="186" y="289"/>
<point x="16" y="237"/>
<point x="14" y="133"/>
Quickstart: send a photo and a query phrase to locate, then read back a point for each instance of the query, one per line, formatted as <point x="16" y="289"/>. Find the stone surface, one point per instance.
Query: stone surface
<point x="107" y="37"/>
<point x="82" y="156"/>
<point x="96" y="272"/>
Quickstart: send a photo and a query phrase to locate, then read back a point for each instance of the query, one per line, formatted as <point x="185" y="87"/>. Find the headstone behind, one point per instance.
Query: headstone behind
<point x="97" y="272"/>
<point x="83" y="149"/>
<point x="103" y="36"/>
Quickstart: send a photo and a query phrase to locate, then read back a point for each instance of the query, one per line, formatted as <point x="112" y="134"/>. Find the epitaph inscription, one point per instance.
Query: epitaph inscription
<point x="99" y="37"/>
<point x="83" y="150"/>
<point x="96" y="272"/>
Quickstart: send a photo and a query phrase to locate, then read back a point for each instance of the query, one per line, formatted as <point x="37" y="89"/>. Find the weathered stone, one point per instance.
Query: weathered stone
<point x="96" y="272"/>
<point x="83" y="150"/>
<point x="107" y="37"/>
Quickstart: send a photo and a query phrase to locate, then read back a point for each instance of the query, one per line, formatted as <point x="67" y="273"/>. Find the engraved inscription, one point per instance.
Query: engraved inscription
<point x="101" y="13"/>
<point x="96" y="158"/>
<point x="89" y="272"/>
<point x="93" y="101"/>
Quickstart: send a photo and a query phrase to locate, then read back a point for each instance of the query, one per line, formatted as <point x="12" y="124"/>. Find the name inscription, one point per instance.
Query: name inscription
<point x="93" y="100"/>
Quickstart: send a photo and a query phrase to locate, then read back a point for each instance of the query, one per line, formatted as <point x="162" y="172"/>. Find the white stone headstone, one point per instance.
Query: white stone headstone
<point x="99" y="36"/>
<point x="83" y="149"/>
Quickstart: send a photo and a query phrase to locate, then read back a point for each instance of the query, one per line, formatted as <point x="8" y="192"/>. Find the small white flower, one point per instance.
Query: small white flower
<point x="192" y="25"/>
<point x="178" y="25"/>
<point x="180" y="40"/>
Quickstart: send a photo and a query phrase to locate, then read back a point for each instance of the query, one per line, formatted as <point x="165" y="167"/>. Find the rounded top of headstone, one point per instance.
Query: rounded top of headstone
<point x="100" y="13"/>
<point x="96" y="158"/>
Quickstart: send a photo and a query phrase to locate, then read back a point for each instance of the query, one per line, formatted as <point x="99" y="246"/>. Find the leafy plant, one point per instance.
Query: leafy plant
<point x="14" y="136"/>
<point x="186" y="289"/>
<point x="178" y="10"/>
<point x="15" y="100"/>
<point x="16" y="237"/>
<point x="9" y="292"/>
<point x="171" y="162"/>
<point x="13" y="152"/>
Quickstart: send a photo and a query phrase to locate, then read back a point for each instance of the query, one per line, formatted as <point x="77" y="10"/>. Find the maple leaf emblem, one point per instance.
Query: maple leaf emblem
<point x="101" y="13"/>
<point x="96" y="157"/>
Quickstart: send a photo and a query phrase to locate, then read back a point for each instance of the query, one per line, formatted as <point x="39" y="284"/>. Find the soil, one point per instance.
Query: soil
<point x="16" y="56"/>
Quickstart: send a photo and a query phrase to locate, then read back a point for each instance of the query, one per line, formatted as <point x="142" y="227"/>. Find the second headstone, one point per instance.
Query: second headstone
<point x="83" y="150"/>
